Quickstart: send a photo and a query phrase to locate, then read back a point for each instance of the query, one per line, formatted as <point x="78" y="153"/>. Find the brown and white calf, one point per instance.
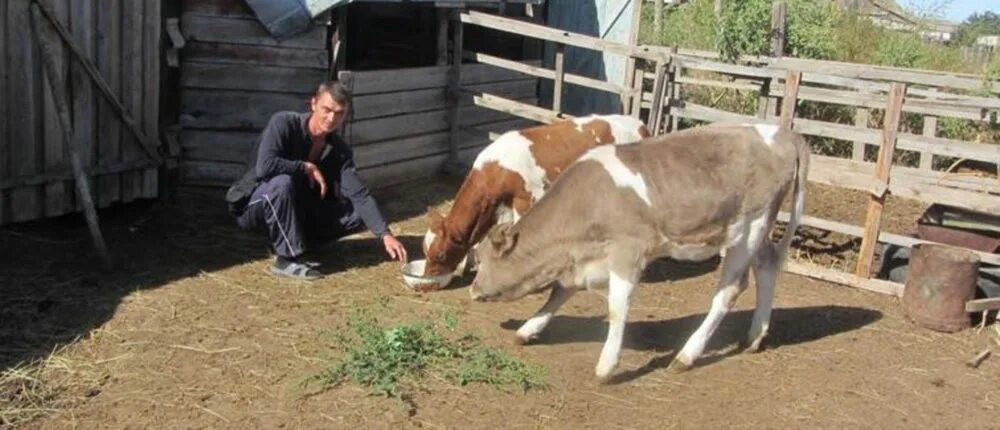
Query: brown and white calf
<point x="508" y="176"/>
<point x="686" y="195"/>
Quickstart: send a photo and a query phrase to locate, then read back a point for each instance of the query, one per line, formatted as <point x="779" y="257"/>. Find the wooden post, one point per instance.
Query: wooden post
<point x="763" y="101"/>
<point x="60" y="103"/>
<point x="930" y="130"/>
<point x="779" y="12"/>
<point x="658" y="19"/>
<point x="630" y="63"/>
<point x="861" y="116"/>
<point x="791" y="99"/>
<point x="557" y="86"/>
<point x="656" y="109"/>
<point x="637" y="93"/>
<point x="675" y="93"/>
<point x="442" y="36"/>
<point x="455" y="92"/>
<point x="873" y="219"/>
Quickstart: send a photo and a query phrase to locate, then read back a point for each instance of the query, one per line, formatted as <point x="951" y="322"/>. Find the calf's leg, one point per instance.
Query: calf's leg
<point x="531" y="328"/>
<point x="765" y="271"/>
<point x="619" y="293"/>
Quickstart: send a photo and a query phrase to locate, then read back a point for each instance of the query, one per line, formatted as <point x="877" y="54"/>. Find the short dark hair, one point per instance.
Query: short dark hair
<point x="336" y="90"/>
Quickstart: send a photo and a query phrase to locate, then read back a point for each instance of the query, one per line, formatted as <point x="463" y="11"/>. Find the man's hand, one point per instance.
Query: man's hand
<point x="315" y="176"/>
<point x="395" y="249"/>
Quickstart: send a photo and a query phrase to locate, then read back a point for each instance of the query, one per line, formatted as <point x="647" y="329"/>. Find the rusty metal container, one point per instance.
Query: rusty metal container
<point x="941" y="279"/>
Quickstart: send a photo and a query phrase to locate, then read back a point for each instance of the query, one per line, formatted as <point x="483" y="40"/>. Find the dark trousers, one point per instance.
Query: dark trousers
<point x="291" y="213"/>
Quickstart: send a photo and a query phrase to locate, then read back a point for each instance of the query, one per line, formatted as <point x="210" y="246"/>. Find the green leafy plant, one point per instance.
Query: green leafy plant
<point x="388" y="360"/>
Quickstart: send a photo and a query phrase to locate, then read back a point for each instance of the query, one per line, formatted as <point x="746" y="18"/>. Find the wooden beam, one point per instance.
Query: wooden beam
<point x="560" y="72"/>
<point x="779" y="13"/>
<point x="873" y="218"/>
<point x="980" y="305"/>
<point x="62" y="108"/>
<point x="453" y="95"/>
<point x="861" y="117"/>
<point x="930" y="130"/>
<point x="842" y="278"/>
<point x="656" y="108"/>
<point x="635" y="96"/>
<point x="560" y="36"/>
<point x="542" y="72"/>
<point x="512" y="107"/>
<point x="790" y="99"/>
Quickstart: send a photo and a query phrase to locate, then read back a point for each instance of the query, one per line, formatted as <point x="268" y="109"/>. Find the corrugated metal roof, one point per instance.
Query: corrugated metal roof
<point x="317" y="7"/>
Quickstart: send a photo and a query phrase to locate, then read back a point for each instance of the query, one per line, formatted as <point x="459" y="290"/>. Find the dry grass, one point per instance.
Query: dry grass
<point x="44" y="386"/>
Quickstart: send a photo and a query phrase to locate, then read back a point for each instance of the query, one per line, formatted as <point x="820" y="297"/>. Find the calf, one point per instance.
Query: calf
<point x="508" y="176"/>
<point x="686" y="195"/>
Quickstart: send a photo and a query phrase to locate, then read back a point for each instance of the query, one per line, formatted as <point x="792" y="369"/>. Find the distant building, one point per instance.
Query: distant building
<point x="990" y="41"/>
<point x="888" y="14"/>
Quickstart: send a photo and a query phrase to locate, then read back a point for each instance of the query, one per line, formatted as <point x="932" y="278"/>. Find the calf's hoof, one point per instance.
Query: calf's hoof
<point x="524" y="340"/>
<point x="754" y="346"/>
<point x="678" y="365"/>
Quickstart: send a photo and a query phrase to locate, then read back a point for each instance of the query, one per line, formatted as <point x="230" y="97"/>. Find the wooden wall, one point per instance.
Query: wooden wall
<point x="122" y="37"/>
<point x="234" y="77"/>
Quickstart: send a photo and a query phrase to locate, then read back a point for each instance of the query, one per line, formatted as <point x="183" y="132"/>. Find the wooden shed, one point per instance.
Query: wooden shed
<point x="395" y="56"/>
<point x="107" y="72"/>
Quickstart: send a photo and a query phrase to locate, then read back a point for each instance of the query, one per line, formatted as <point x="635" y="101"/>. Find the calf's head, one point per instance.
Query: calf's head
<point x="445" y="253"/>
<point x="505" y="274"/>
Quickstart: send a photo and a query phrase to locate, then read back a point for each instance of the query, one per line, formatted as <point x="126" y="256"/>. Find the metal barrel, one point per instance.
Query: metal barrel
<point x="941" y="279"/>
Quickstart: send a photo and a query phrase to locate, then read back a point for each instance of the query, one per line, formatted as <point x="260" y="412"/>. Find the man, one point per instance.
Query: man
<point x="304" y="186"/>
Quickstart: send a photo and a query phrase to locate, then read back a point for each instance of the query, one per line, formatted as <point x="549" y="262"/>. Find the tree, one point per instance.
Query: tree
<point x="979" y="24"/>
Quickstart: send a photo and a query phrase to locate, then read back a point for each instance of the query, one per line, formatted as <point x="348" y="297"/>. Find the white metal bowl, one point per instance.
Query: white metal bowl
<point x="413" y="275"/>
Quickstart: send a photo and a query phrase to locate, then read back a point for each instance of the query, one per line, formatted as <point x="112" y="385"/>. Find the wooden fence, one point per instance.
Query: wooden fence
<point x="660" y="97"/>
<point x="121" y="39"/>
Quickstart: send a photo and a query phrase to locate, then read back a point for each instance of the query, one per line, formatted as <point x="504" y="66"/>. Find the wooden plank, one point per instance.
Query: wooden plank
<point x="132" y="92"/>
<point x="779" y="25"/>
<point x="412" y="170"/>
<point x="883" y="237"/>
<point x="227" y="53"/>
<point x="211" y="145"/>
<point x="656" y="108"/>
<point x="56" y="202"/>
<point x="541" y="72"/>
<point x="519" y="109"/>
<point x="25" y="111"/>
<point x="979" y="305"/>
<point x="861" y="118"/>
<point x="877" y="101"/>
<point x="251" y="77"/>
<point x="109" y="21"/>
<point x="635" y="96"/>
<point x="236" y="110"/>
<point x="244" y="31"/>
<point x="719" y="84"/>
<point x="873" y="218"/>
<point x="573" y="39"/>
<point x="728" y="69"/>
<point x="415" y="78"/>
<point x="210" y="172"/>
<point x="83" y="25"/>
<point x="790" y="99"/>
<point x="930" y="130"/>
<point x="68" y="175"/>
<point x="560" y="76"/>
<point x="152" y="46"/>
<point x="386" y="104"/>
<point x="838" y="277"/>
<point x="453" y="95"/>
<point x="908" y="76"/>
<point x="392" y="127"/>
<point x="5" y="138"/>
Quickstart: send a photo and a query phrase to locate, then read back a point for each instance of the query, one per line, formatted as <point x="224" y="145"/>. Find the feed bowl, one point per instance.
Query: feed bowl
<point x="413" y="276"/>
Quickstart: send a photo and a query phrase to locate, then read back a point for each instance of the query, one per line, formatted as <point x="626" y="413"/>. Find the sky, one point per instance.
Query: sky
<point x="959" y="10"/>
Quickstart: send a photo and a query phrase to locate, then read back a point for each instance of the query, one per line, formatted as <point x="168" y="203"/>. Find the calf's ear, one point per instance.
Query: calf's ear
<point x="503" y="238"/>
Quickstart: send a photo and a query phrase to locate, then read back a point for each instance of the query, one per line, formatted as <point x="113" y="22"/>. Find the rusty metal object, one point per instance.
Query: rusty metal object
<point x="941" y="279"/>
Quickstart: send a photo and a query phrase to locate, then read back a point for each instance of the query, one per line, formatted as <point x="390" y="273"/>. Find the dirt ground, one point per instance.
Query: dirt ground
<point x="191" y="332"/>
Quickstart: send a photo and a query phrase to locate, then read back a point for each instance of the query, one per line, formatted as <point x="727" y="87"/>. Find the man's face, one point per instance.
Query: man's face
<point x="328" y="114"/>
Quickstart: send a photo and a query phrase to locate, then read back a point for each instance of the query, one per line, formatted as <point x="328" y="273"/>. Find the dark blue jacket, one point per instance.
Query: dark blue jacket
<point x="284" y="145"/>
